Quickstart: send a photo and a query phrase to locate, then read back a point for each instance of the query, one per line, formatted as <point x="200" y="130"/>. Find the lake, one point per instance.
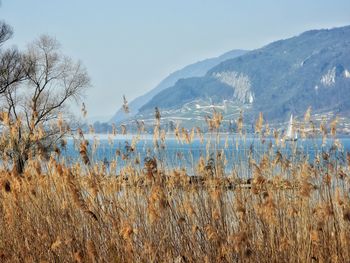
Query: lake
<point x="173" y="153"/>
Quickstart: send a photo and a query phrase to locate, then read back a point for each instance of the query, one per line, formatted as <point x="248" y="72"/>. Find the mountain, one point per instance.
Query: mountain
<point x="194" y="70"/>
<point x="284" y="77"/>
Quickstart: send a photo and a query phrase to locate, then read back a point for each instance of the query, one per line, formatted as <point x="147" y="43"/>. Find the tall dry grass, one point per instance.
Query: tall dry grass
<point x="293" y="210"/>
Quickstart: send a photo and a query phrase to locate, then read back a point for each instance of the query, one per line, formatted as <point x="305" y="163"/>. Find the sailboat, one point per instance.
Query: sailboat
<point x="291" y="134"/>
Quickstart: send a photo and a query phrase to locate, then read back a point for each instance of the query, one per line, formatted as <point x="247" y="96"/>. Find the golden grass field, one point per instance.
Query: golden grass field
<point x="292" y="211"/>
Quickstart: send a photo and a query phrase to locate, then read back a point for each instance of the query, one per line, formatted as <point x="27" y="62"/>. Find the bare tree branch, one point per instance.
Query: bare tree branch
<point x="37" y="87"/>
<point x="6" y="32"/>
<point x="11" y="69"/>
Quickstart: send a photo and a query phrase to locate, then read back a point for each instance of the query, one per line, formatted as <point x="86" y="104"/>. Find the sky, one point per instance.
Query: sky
<point x="129" y="46"/>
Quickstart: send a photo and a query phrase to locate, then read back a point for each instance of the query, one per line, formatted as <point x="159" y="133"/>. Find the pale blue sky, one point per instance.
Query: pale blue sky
<point x="129" y="46"/>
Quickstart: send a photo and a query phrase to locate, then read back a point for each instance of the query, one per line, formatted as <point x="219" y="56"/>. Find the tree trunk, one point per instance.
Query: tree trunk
<point x="19" y="164"/>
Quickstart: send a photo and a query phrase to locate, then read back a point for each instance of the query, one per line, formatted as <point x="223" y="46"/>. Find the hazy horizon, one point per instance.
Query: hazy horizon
<point x="129" y="47"/>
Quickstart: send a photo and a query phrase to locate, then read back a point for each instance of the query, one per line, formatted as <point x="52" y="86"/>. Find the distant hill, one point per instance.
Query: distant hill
<point x="194" y="70"/>
<point x="284" y="77"/>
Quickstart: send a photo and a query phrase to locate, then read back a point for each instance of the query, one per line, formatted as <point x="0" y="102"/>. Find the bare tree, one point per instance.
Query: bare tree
<point x="11" y="66"/>
<point x="12" y="69"/>
<point x="34" y="110"/>
<point x="5" y="32"/>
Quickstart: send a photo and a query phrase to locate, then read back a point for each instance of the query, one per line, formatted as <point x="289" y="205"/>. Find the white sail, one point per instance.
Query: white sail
<point x="291" y="134"/>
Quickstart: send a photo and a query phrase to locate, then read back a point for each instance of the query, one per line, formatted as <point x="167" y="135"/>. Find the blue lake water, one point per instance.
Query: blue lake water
<point x="178" y="154"/>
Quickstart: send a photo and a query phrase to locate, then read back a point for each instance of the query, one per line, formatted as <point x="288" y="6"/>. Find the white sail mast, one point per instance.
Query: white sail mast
<point x="291" y="134"/>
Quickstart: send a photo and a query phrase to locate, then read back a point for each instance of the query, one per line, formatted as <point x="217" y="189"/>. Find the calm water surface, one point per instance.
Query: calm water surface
<point x="178" y="154"/>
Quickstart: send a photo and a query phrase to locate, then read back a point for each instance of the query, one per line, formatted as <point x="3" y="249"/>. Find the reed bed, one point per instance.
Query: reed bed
<point x="292" y="209"/>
